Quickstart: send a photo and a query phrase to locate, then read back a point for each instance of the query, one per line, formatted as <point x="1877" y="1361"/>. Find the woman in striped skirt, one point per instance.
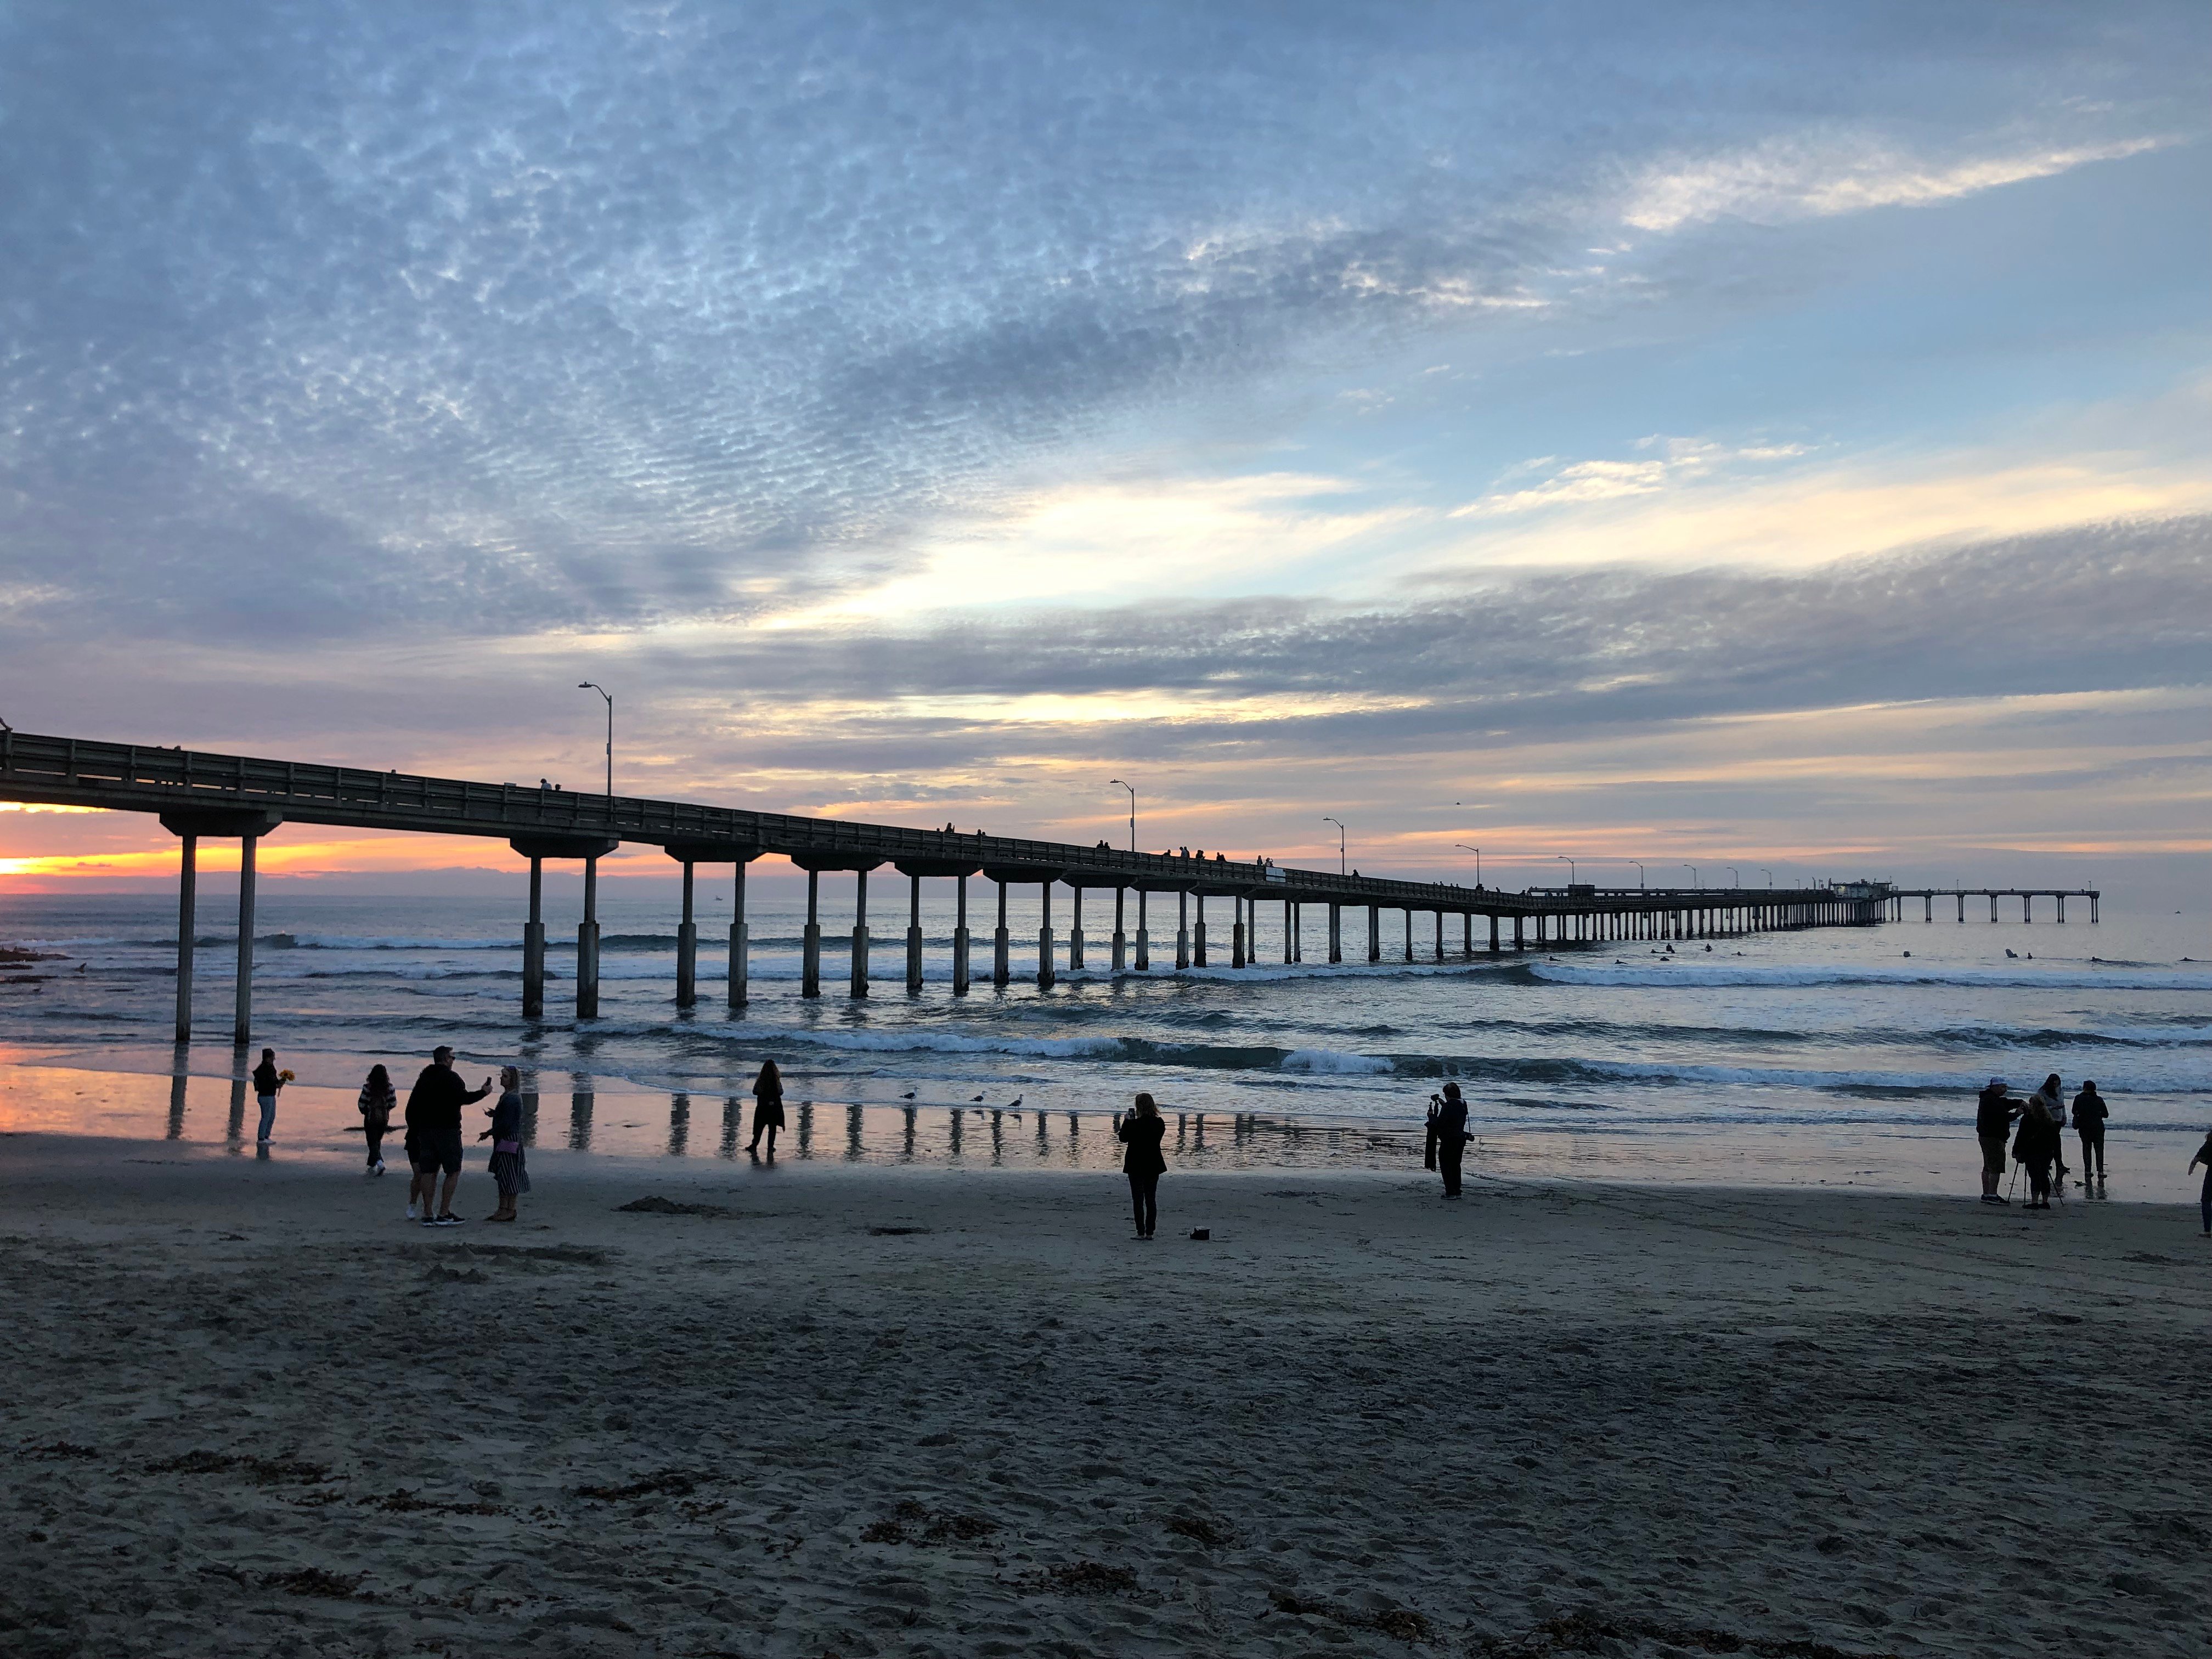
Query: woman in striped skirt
<point x="505" y="1135"/>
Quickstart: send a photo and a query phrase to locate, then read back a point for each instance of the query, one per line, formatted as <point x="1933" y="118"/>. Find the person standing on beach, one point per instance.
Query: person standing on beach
<point x="2204" y="1198"/>
<point x="2053" y="1097"/>
<point x="2089" y="1114"/>
<point x="434" y="1138"/>
<point x="1448" y="1135"/>
<point x="1993" y="1116"/>
<point x="377" y="1102"/>
<point x="2035" y="1145"/>
<point x="768" y="1108"/>
<point x="267" y="1080"/>
<point x="1141" y="1131"/>
<point x="508" y="1168"/>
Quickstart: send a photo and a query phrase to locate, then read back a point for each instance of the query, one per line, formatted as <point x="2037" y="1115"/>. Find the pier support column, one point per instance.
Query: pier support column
<point x="1044" y="937"/>
<point x="1493" y="932"/>
<point x="1001" y="972"/>
<point x="1993" y="907"/>
<point x="687" y="948"/>
<point x="960" y="938"/>
<point x="1375" y="933"/>
<point x="1335" y="931"/>
<point x="810" y="942"/>
<point x="740" y="944"/>
<point x="1290" y="933"/>
<point x="2094" y="900"/>
<point x="2026" y="900"/>
<point x="1143" y="935"/>
<point x="242" y="1023"/>
<point x="1183" y="934"/>
<point x="914" y="937"/>
<point x="1409" y="932"/>
<point x="859" y="986"/>
<point x="1237" y="958"/>
<point x="1120" y="937"/>
<point x="1517" y="942"/>
<point x="2061" y="897"/>
<point x="1075" y="933"/>
<point x="187" y="926"/>
<point x="588" y="945"/>
<point x="533" y="946"/>
<point x="1197" y="935"/>
<point x="1466" y="935"/>
<point x="1440" y="932"/>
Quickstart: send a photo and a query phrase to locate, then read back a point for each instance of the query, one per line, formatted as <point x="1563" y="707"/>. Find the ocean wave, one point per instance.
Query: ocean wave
<point x="1335" y="1061"/>
<point x="1660" y="975"/>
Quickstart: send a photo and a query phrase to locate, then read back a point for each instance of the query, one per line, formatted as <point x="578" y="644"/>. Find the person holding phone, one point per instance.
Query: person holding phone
<point x="1448" y="1135"/>
<point x="1141" y="1131"/>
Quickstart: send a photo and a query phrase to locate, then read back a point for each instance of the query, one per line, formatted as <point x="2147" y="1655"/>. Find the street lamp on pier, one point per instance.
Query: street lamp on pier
<point x="1768" y="874"/>
<point x="1639" y="863"/>
<point x="1132" y="789"/>
<point x="1341" y="859"/>
<point x="1731" y="869"/>
<point x="1477" y="851"/>
<point x="1692" y="869"/>
<point x="593" y="685"/>
<point x="1570" y="863"/>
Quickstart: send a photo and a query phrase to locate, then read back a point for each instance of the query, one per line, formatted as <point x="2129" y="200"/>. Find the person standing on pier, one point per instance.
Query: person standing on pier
<point x="377" y="1102"/>
<point x="2089" y="1114"/>
<point x="1141" y="1131"/>
<point x="1993" y="1116"/>
<point x="768" y="1108"/>
<point x="507" y="1168"/>
<point x="434" y="1138"/>
<point x="1448" y="1135"/>
<point x="267" y="1082"/>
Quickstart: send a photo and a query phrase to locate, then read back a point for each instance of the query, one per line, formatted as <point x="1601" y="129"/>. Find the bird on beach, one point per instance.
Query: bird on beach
<point x="1015" y="1102"/>
<point x="908" y="1095"/>
<point x="973" y="1101"/>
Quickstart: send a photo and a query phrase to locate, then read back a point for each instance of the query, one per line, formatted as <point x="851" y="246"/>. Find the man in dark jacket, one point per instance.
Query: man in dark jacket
<point x="1993" y="1116"/>
<point x="1447" y="1137"/>
<point x="434" y="1138"/>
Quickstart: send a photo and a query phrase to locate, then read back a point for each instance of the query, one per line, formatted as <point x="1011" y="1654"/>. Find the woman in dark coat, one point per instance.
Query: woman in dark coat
<point x="2036" y="1145"/>
<point x="507" y="1167"/>
<point x="768" y="1108"/>
<point x="267" y="1081"/>
<point x="1142" y="1131"/>
<point x="377" y="1101"/>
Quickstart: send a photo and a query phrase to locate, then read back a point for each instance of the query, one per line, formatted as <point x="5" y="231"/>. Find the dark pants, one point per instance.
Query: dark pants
<point x="1144" y="1199"/>
<point x="375" y="1144"/>
<point x="2204" y="1201"/>
<point x="2093" y="1152"/>
<point x="1449" y="1150"/>
<point x="2038" y="1179"/>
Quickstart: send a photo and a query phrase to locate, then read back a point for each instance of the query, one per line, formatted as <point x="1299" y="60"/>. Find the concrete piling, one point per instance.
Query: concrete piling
<point x="533" y="946"/>
<point x="687" y="946"/>
<point x="187" y="927"/>
<point x="960" y="938"/>
<point x="740" y="942"/>
<point x="1000" y="964"/>
<point x="587" y="945"/>
<point x="242" y="1023"/>
<point x="810" y="942"/>
<point x="913" y="936"/>
<point x="859" y="986"/>
<point x="1121" y="938"/>
<point x="1044" y="937"/>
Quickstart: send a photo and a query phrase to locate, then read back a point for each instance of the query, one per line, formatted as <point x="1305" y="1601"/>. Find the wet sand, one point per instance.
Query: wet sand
<point x="865" y="1410"/>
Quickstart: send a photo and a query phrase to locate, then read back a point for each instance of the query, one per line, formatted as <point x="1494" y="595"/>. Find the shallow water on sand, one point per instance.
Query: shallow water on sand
<point x="1827" y="1056"/>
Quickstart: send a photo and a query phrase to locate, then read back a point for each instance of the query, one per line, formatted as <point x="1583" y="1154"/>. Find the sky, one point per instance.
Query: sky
<point x="1736" y="435"/>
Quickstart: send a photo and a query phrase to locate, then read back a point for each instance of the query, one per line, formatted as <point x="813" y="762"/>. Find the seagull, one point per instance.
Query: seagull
<point x="1015" y="1102"/>
<point x="973" y="1101"/>
<point x="908" y="1095"/>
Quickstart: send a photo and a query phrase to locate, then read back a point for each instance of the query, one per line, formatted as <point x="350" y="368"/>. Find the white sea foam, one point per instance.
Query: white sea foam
<point x="1333" y="1060"/>
<point x="2068" y="978"/>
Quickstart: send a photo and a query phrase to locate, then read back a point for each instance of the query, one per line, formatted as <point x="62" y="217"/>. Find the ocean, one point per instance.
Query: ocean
<point x="1837" y="1056"/>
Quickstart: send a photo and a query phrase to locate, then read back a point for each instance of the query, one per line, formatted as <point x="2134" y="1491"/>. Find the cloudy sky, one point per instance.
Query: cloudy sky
<point x="1749" y="435"/>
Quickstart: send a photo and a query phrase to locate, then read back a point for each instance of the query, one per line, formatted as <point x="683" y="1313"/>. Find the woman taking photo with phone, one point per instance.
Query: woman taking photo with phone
<point x="1141" y="1131"/>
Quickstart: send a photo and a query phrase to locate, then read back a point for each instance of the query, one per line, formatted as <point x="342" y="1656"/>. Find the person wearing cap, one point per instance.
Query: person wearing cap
<point x="1448" y="1136"/>
<point x="434" y="1138"/>
<point x="1993" y="1117"/>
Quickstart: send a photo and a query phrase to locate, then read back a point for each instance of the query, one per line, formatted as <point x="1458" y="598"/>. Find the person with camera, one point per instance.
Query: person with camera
<point x="1448" y="1136"/>
<point x="1141" y="1131"/>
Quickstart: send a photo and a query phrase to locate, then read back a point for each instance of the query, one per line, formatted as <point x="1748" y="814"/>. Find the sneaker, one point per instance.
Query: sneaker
<point x="429" y="1221"/>
<point x="448" y="1221"/>
<point x="410" y="1210"/>
<point x="379" y="1166"/>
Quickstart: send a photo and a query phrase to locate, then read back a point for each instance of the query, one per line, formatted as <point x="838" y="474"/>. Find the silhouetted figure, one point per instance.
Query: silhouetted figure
<point x="377" y="1101"/>
<point x="1993" y="1115"/>
<point x="2036" y="1145"/>
<point x="267" y="1080"/>
<point x="1141" y="1131"/>
<point x="1447" y="1140"/>
<point x="2089" y="1114"/>
<point x="2054" y="1103"/>
<point x="2204" y="1198"/>
<point x="768" y="1109"/>
<point x="434" y="1137"/>
<point x="508" y="1170"/>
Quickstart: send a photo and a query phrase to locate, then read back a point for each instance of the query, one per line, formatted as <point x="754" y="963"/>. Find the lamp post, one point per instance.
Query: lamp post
<point x="593" y="685"/>
<point x="1132" y="789"/>
<point x="1692" y="869"/>
<point x="1639" y="863"/>
<point x="1341" y="860"/>
<point x="1477" y="851"/>
<point x="1768" y="874"/>
<point x="1570" y="863"/>
<point x="1731" y="869"/>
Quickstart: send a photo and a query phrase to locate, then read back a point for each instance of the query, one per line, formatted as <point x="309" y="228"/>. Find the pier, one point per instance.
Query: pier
<point x="198" y="795"/>
<point x="2027" y="895"/>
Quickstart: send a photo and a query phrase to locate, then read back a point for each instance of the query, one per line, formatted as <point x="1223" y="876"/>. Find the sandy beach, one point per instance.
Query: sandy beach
<point x="855" y="1411"/>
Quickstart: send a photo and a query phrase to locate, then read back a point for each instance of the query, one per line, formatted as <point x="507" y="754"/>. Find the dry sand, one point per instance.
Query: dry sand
<point x="251" y="1410"/>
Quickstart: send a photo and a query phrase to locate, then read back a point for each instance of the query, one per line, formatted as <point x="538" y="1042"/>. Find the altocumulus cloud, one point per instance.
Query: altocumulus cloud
<point x="340" y="317"/>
